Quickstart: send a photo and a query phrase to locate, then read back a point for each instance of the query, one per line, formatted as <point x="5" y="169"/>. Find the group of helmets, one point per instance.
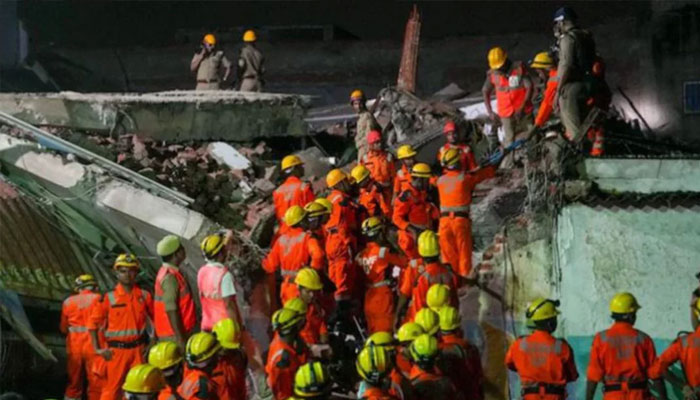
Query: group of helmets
<point x="248" y="37"/>
<point x="542" y="309"/>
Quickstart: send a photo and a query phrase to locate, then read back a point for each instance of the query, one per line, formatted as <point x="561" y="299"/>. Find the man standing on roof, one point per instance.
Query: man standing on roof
<point x="251" y="65"/>
<point x="207" y="65"/>
<point x="365" y="122"/>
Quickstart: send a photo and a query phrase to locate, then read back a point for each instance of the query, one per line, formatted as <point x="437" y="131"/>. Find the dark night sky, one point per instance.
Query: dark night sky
<point x="99" y="23"/>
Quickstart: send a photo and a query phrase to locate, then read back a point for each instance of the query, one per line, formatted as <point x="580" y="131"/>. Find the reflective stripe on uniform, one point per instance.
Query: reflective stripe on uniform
<point x="380" y="284"/>
<point x="126" y="332"/>
<point x="289" y="273"/>
<point x="288" y="243"/>
<point x="77" y="329"/>
<point x="448" y="209"/>
<point x="287" y="190"/>
<point x="382" y="252"/>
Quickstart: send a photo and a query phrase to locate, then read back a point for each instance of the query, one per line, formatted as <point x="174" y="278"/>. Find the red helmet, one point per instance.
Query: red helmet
<point x="449" y="127"/>
<point x="374" y="136"/>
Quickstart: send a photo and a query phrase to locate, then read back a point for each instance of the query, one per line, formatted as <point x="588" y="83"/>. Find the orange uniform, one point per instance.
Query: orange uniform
<point x="545" y="365"/>
<point x="293" y="250"/>
<point x="455" y="232"/>
<point x="412" y="208"/>
<point x="622" y="358"/>
<point x="340" y="242"/>
<point x="403" y="362"/>
<point x="461" y="362"/>
<point x="197" y="384"/>
<point x="80" y="355"/>
<point x="433" y="273"/>
<point x="381" y="168"/>
<point x="466" y="155"/>
<point x="293" y="192"/>
<point x="377" y="263"/>
<point x="402" y="178"/>
<point x="427" y="385"/>
<point x="375" y="393"/>
<point x="373" y="202"/>
<point x="407" y="281"/>
<point x="185" y="304"/>
<point x="685" y="349"/>
<point x="547" y="105"/>
<point x="125" y="316"/>
<point x="168" y="393"/>
<point x="229" y="375"/>
<point x="315" y="325"/>
<point x="283" y="360"/>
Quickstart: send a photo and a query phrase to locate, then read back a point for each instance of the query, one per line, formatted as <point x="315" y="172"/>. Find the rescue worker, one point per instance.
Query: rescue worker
<point x="251" y="65"/>
<point x="341" y="241"/>
<point x="378" y="261"/>
<point x="207" y="65"/>
<point x="428" y="382"/>
<point x="380" y="163"/>
<point x="312" y="381"/>
<point x="413" y="213"/>
<point x="365" y="122"/>
<point x="202" y="356"/>
<point x="428" y="320"/>
<point x="407" y="157"/>
<point x="433" y="272"/>
<point x="686" y="349"/>
<point x="543" y="65"/>
<point x="286" y="354"/>
<point x="406" y="334"/>
<point x="125" y="313"/>
<point x="167" y="357"/>
<point x="374" y="365"/>
<point x="230" y="372"/>
<point x="455" y="141"/>
<point x="513" y="88"/>
<point x="217" y="289"/>
<point x="622" y="357"/>
<point x="400" y="386"/>
<point x="80" y="356"/>
<point x="544" y="363"/>
<point x="459" y="359"/>
<point x="143" y="382"/>
<point x="309" y="284"/>
<point x="455" y="187"/>
<point x="438" y="296"/>
<point x="371" y="199"/>
<point x="294" y="249"/>
<point x="173" y="307"/>
<point x="293" y="191"/>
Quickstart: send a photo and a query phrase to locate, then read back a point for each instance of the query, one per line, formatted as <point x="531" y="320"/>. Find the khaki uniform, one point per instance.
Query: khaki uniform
<point x="365" y="123"/>
<point x="207" y="66"/>
<point x="251" y="67"/>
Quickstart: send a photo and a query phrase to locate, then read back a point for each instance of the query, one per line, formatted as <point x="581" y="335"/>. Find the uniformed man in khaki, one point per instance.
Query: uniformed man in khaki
<point x="365" y="122"/>
<point x="251" y="65"/>
<point x="208" y="63"/>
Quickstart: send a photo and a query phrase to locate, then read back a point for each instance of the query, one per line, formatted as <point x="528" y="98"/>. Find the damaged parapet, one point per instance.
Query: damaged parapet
<point x="175" y="116"/>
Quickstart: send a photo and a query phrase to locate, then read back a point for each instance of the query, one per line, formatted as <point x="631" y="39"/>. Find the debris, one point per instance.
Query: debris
<point x="409" y="54"/>
<point x="316" y="165"/>
<point x="226" y="154"/>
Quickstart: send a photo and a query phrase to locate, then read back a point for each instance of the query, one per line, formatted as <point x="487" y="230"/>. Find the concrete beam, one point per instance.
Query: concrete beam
<point x="644" y="175"/>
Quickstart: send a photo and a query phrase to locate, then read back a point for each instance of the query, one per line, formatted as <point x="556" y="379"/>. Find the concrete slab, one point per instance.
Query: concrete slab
<point x="644" y="175"/>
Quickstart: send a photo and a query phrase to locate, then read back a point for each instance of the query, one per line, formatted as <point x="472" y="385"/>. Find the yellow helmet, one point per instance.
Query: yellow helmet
<point x="212" y="245"/>
<point x="372" y="226"/>
<point x="165" y="355"/>
<point x="168" y="245"/>
<point x="380" y="338"/>
<point x="357" y="95"/>
<point x="296" y="304"/>
<point x="428" y="320"/>
<point x="624" y="303"/>
<point x="359" y="173"/>
<point x="428" y="244"/>
<point x="85" y="280"/>
<point x="201" y="347"/>
<point x="315" y="209"/>
<point x="405" y="151"/>
<point x="438" y="296"/>
<point x="451" y="157"/>
<point x="294" y="215"/>
<point x="542" y="309"/>
<point x="228" y="333"/>
<point x="409" y="332"/>
<point x="291" y="161"/>
<point x="325" y="202"/>
<point x="449" y="318"/>
<point x="126" y="260"/>
<point x="424" y="348"/>
<point x="497" y="57"/>
<point x="374" y="363"/>
<point x="421" y="170"/>
<point x="249" y="36"/>
<point x="144" y="379"/>
<point x="542" y="60"/>
<point x="209" y="39"/>
<point x="311" y="380"/>
<point x="308" y="278"/>
<point x="696" y="309"/>
<point x="335" y="177"/>
<point x="284" y="320"/>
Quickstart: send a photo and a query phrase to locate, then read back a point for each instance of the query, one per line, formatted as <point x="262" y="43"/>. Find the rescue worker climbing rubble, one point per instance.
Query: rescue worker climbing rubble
<point x="407" y="157"/>
<point x="202" y="355"/>
<point x="167" y="357"/>
<point x="217" y="290"/>
<point x="293" y="191"/>
<point x="251" y="65"/>
<point x="545" y="364"/>
<point x="457" y="141"/>
<point x="309" y="283"/>
<point x="371" y="200"/>
<point x="286" y="354"/>
<point x="80" y="355"/>
<point x="365" y="122"/>
<point x="380" y="163"/>
<point x="208" y="63"/>
<point x="546" y="70"/>
<point x="125" y="313"/>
